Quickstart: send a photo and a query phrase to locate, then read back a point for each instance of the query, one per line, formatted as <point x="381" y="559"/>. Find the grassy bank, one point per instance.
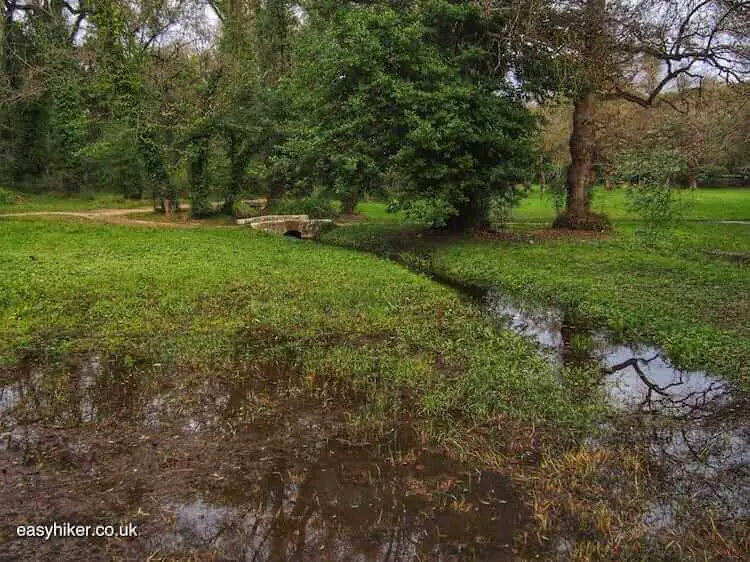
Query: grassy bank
<point x="26" y="202"/>
<point x="701" y="204"/>
<point x="213" y="297"/>
<point x="688" y="291"/>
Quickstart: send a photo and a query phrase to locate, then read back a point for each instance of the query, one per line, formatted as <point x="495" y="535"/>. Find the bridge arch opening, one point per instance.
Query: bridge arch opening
<point x="293" y="234"/>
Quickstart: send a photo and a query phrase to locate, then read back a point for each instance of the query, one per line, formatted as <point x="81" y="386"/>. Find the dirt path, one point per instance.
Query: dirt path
<point x="114" y="216"/>
<point x="122" y="216"/>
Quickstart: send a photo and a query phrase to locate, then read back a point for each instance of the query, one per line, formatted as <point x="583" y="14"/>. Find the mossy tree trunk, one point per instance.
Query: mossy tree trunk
<point x="200" y="206"/>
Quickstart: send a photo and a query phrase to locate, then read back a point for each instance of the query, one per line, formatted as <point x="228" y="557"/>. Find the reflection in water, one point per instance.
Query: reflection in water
<point x="696" y="425"/>
<point x="232" y="468"/>
<point x="347" y="504"/>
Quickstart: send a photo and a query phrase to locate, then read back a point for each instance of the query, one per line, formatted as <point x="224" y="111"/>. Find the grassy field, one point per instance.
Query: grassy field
<point x="688" y="290"/>
<point x="702" y="204"/>
<point x="78" y="202"/>
<point x="176" y="310"/>
<point x="208" y="297"/>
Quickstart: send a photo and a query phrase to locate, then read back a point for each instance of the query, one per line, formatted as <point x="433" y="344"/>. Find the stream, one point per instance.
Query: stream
<point x="695" y="425"/>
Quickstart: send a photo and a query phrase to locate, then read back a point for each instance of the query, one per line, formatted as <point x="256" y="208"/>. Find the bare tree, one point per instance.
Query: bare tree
<point x="598" y="50"/>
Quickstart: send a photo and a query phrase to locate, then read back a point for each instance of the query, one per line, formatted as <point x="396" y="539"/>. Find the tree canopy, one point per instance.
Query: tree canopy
<point x="426" y="104"/>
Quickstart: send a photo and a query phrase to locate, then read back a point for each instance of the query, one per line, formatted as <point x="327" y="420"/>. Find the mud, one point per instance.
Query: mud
<point x="237" y="466"/>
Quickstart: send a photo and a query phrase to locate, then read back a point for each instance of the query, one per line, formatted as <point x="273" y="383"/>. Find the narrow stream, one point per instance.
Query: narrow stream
<point x="696" y="425"/>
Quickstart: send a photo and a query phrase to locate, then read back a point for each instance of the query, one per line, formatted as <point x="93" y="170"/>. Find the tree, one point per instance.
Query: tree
<point x="79" y="106"/>
<point x="709" y="133"/>
<point x="43" y="112"/>
<point x="406" y="98"/>
<point x="598" y="50"/>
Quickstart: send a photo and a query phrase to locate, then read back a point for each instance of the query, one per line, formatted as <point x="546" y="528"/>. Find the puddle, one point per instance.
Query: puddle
<point x="695" y="425"/>
<point x="233" y="467"/>
<point x="348" y="504"/>
<point x="243" y="467"/>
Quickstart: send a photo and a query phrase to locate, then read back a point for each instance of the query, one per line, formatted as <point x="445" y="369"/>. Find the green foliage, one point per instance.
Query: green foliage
<point x="651" y="195"/>
<point x="556" y="187"/>
<point x="114" y="161"/>
<point x="500" y="211"/>
<point x="8" y="197"/>
<point x="315" y="207"/>
<point x="242" y="210"/>
<point x="403" y="100"/>
<point x="199" y="185"/>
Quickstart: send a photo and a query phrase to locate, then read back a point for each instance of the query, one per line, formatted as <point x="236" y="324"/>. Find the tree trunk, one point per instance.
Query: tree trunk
<point x="276" y="190"/>
<point x="472" y="213"/>
<point x="692" y="176"/>
<point x="200" y="207"/>
<point x="581" y="143"/>
<point x="238" y="156"/>
<point x="349" y="204"/>
<point x="582" y="146"/>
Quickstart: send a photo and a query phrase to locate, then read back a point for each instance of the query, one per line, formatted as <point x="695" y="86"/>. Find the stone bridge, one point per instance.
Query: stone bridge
<point x="299" y="226"/>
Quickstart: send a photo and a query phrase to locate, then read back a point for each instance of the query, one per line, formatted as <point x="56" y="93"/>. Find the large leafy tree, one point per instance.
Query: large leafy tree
<point x="42" y="110"/>
<point x="404" y="97"/>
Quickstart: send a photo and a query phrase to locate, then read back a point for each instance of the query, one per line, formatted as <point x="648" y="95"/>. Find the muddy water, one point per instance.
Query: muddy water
<point x="696" y="426"/>
<point x="243" y="466"/>
<point x="235" y="466"/>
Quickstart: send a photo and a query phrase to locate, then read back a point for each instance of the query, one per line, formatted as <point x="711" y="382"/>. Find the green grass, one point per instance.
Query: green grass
<point x="694" y="305"/>
<point x="376" y="211"/>
<point x="214" y="299"/>
<point x="682" y="291"/>
<point x="77" y="202"/>
<point x="702" y="204"/>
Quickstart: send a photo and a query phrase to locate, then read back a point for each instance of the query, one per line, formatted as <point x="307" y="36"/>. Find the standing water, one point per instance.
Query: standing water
<point x="696" y="426"/>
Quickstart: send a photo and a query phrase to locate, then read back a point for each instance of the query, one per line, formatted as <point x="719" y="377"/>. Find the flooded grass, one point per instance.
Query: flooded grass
<point x="248" y="397"/>
<point x="677" y="440"/>
<point x="235" y="466"/>
<point x="671" y="291"/>
<point x="666" y="474"/>
<point x="145" y="370"/>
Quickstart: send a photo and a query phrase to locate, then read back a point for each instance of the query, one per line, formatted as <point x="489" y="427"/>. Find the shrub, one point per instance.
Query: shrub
<point x="651" y="195"/>
<point x="243" y="210"/>
<point x="314" y="207"/>
<point x="7" y="197"/>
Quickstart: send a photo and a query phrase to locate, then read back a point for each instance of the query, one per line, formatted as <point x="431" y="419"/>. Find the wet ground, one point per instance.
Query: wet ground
<point x="696" y="427"/>
<point x="242" y="467"/>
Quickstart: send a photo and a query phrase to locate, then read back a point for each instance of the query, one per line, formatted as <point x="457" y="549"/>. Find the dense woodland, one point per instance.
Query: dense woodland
<point x="437" y="106"/>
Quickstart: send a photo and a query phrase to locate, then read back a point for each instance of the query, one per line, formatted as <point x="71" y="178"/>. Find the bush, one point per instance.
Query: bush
<point x="434" y="213"/>
<point x="556" y="188"/>
<point x="242" y="210"/>
<point x="8" y="197"/>
<point x="501" y="209"/>
<point x="651" y="195"/>
<point x="314" y="207"/>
